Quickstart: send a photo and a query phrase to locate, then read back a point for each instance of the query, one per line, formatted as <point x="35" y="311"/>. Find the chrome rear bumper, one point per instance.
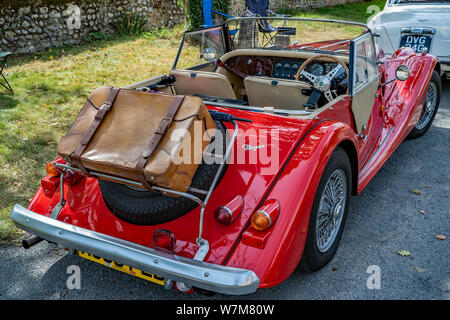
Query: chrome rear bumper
<point x="217" y="278"/>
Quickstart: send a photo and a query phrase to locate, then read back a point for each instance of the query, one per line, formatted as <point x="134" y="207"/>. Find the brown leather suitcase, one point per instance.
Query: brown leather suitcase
<point x="140" y="136"/>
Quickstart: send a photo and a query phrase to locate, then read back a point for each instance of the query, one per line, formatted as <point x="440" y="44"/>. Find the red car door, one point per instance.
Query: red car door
<point x="366" y="97"/>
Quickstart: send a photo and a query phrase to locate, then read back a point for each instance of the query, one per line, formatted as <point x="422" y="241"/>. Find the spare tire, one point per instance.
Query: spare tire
<point x="142" y="207"/>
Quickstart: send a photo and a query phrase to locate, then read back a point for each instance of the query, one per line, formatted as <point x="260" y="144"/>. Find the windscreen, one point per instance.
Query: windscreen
<point x="200" y="49"/>
<point x="293" y="34"/>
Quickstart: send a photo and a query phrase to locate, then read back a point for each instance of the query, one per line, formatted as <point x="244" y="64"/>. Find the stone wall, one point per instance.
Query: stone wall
<point x="239" y="5"/>
<point x="32" y="25"/>
<point x="36" y="27"/>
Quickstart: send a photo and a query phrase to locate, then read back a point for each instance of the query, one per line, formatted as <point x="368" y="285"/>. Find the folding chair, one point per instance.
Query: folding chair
<point x="208" y="14"/>
<point x="3" y="58"/>
<point x="261" y="8"/>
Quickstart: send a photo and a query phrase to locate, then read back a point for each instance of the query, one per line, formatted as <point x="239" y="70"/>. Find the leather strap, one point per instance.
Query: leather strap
<point x="156" y="139"/>
<point x="101" y="113"/>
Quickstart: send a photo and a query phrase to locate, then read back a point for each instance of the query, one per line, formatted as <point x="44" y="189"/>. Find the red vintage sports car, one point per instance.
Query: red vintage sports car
<point x="310" y="110"/>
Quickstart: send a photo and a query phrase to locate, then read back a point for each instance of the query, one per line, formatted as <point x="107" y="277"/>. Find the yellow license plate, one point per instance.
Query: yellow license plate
<point x="121" y="267"/>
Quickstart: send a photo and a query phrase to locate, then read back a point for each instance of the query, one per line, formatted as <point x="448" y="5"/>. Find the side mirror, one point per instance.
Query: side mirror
<point x="209" y="54"/>
<point x="402" y="73"/>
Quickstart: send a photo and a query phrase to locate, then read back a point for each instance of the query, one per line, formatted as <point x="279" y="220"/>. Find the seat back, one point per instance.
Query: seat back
<point x="258" y="7"/>
<point x="277" y="93"/>
<point x="202" y="82"/>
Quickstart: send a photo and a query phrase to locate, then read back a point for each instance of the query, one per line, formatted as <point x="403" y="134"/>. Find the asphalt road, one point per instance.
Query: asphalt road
<point x="384" y="219"/>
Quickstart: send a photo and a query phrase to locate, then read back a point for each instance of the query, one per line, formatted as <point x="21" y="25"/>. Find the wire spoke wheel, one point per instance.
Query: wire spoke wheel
<point x="328" y="213"/>
<point x="331" y="211"/>
<point x="429" y="106"/>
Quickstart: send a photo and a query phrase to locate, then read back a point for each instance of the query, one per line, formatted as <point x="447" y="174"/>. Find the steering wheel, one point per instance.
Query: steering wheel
<point x="322" y="83"/>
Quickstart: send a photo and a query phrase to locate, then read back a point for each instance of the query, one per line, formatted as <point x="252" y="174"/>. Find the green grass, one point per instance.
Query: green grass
<point x="351" y="12"/>
<point x="52" y="86"/>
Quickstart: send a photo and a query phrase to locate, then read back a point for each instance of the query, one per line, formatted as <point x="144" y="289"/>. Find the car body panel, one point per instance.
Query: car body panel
<point x="402" y="107"/>
<point x="295" y="190"/>
<point x="87" y="209"/>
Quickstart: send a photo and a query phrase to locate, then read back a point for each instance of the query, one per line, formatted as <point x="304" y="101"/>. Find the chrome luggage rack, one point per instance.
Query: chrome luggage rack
<point x="203" y="243"/>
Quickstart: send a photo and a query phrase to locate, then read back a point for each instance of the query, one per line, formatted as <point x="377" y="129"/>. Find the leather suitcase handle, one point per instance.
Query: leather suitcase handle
<point x="95" y="124"/>
<point x="156" y="139"/>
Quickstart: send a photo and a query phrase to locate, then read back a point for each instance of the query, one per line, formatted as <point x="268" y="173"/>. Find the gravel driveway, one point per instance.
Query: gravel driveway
<point x="384" y="219"/>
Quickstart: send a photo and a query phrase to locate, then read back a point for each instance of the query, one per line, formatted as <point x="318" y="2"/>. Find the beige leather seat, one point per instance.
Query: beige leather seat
<point x="278" y="93"/>
<point x="202" y="82"/>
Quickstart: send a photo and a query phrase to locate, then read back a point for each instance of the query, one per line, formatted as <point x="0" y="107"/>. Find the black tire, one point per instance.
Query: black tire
<point x="312" y="258"/>
<point x="143" y="207"/>
<point x="418" y="131"/>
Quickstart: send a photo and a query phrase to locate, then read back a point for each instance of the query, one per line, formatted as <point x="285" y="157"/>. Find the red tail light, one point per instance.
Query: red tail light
<point x="163" y="240"/>
<point x="49" y="185"/>
<point x="52" y="180"/>
<point x="72" y="177"/>
<point x="230" y="212"/>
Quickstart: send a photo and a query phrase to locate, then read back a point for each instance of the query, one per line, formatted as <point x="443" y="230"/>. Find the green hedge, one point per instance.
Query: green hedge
<point x="194" y="11"/>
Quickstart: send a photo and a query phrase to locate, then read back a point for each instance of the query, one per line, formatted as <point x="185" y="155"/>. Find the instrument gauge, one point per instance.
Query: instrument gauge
<point x="316" y="69"/>
<point x="294" y="69"/>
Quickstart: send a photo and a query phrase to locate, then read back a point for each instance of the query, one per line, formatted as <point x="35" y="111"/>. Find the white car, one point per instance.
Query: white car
<point x="423" y="25"/>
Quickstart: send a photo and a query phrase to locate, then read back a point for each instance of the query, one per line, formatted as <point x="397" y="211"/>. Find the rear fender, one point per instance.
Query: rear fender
<point x="295" y="190"/>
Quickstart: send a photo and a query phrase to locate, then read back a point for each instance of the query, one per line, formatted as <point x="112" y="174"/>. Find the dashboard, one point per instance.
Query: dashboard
<point x="282" y="68"/>
<point x="287" y="69"/>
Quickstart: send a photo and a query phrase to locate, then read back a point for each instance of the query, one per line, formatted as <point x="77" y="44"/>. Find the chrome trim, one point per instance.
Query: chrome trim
<point x="202" y="251"/>
<point x="57" y="209"/>
<point x="267" y="216"/>
<point x="137" y="184"/>
<point x="418" y="31"/>
<point x="200" y="240"/>
<point x="229" y="211"/>
<point x="196" y="190"/>
<point x="208" y="276"/>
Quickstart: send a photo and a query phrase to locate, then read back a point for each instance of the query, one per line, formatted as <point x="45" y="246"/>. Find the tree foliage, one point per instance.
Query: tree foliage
<point x="194" y="11"/>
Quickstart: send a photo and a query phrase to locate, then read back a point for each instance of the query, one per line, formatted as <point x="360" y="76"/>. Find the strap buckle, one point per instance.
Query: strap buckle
<point x="104" y="109"/>
<point x="163" y="125"/>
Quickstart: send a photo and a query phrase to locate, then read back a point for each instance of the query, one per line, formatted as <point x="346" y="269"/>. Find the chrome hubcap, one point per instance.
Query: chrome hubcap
<point x="429" y="106"/>
<point x="331" y="210"/>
